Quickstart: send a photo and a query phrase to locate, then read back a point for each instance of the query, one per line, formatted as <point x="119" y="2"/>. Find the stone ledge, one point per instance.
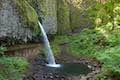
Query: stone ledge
<point x="29" y="51"/>
<point x="25" y="46"/>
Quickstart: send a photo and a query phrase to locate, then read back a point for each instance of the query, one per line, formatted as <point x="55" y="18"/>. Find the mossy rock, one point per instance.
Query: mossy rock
<point x="73" y="14"/>
<point x="79" y="15"/>
<point x="28" y="13"/>
<point x="47" y="12"/>
<point x="63" y="17"/>
<point x="18" y="20"/>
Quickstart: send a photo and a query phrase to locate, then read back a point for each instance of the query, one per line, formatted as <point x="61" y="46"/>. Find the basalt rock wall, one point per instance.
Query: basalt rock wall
<point x="19" y="18"/>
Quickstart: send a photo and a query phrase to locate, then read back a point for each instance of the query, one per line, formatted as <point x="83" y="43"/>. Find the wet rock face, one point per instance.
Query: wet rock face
<point x="47" y="12"/>
<point x="50" y="17"/>
<point x="19" y="18"/>
<point x="50" y="20"/>
<point x="16" y="20"/>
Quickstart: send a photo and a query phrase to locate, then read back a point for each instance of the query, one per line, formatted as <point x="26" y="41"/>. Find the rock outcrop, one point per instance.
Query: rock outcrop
<point x="63" y="17"/>
<point x="47" y="12"/>
<point x="72" y="14"/>
<point x="17" y="19"/>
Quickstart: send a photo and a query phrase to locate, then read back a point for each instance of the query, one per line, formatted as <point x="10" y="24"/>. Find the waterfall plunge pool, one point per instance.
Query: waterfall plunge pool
<point x="69" y="69"/>
<point x="53" y="65"/>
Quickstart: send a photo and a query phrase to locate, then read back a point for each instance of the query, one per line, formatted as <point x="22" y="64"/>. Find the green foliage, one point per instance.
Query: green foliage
<point x="101" y="44"/>
<point x="111" y="58"/>
<point x="59" y="40"/>
<point x="87" y="42"/>
<point x="12" y="68"/>
<point x="2" y="49"/>
<point x="107" y="12"/>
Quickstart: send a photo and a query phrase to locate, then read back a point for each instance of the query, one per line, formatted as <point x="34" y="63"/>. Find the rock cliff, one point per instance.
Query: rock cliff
<point x="17" y="19"/>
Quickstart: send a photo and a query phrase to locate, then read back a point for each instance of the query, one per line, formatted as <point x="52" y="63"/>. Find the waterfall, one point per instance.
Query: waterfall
<point x="50" y="56"/>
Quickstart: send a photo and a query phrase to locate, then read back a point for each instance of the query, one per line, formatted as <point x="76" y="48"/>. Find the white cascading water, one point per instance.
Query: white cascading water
<point x="50" y="56"/>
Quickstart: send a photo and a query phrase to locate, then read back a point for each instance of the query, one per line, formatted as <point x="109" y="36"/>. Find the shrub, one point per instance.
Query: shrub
<point x="104" y="46"/>
<point x="12" y="68"/>
<point x="111" y="58"/>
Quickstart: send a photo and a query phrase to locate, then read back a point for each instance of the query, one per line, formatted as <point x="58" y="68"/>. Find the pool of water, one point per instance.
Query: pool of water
<point x="70" y="69"/>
